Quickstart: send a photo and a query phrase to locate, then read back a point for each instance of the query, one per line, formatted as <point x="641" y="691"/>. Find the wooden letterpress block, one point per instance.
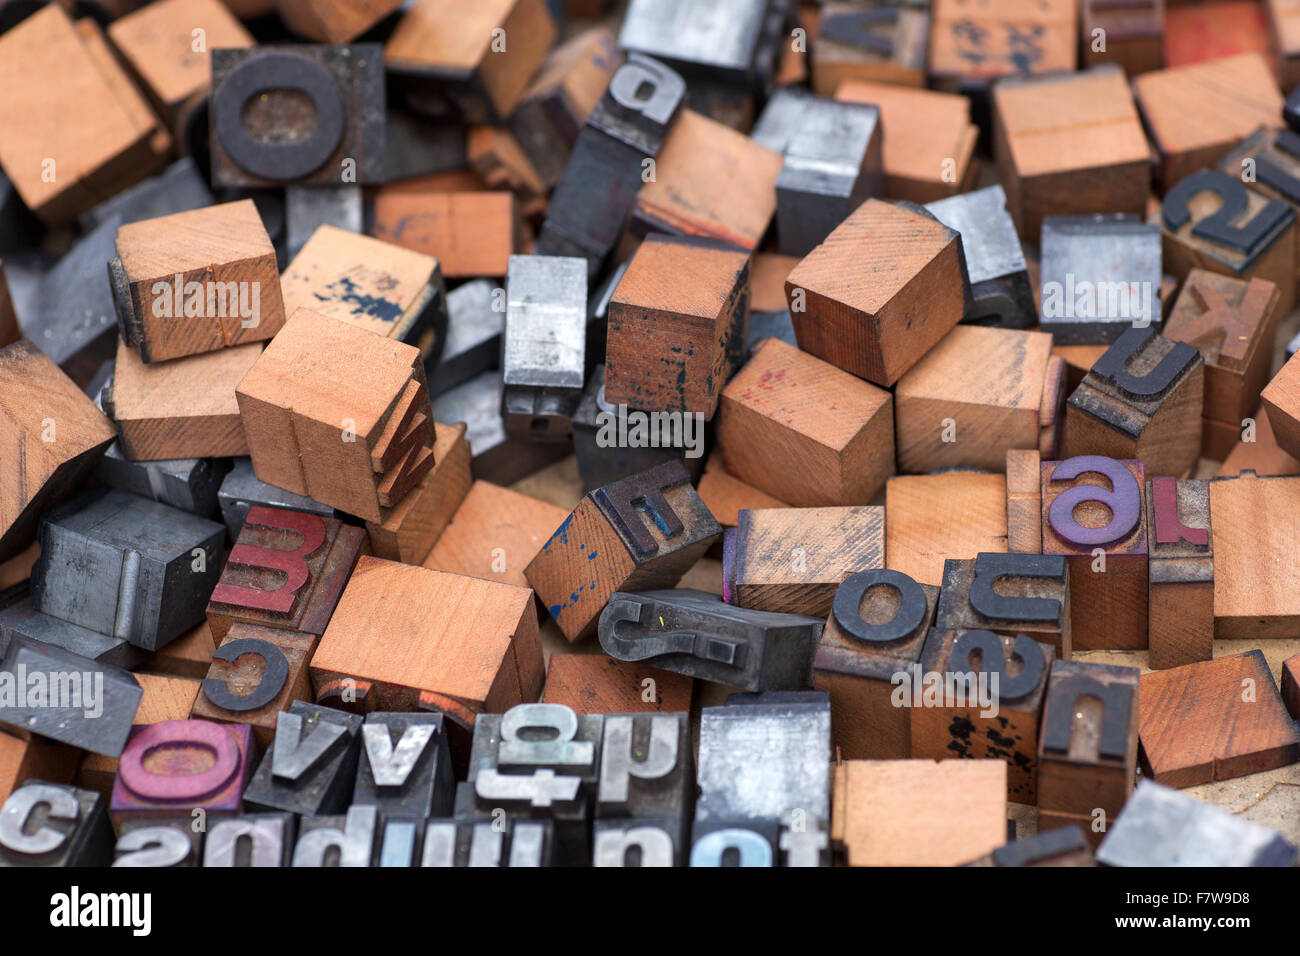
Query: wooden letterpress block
<point x="636" y="534"/>
<point x="567" y="86"/>
<point x="900" y="812"/>
<point x="931" y="518"/>
<point x="879" y="329"/>
<point x="123" y="565"/>
<point x="977" y="394"/>
<point x="596" y="684"/>
<point x="1233" y="323"/>
<point x="971" y="44"/>
<point x="793" y="559"/>
<point x="726" y="496"/>
<point x="397" y="293"/>
<point x="175" y="767"/>
<point x="1291" y="686"/>
<point x="256" y="673"/>
<point x="1281" y="400"/>
<point x="51" y="439"/>
<point x="345" y="145"/>
<point x="1134" y="32"/>
<point x="287" y="570"/>
<point x="480" y="55"/>
<point x="804" y="431"/>
<point x="929" y="152"/>
<point x="1142" y="400"/>
<point x="1024" y="502"/>
<point x="430" y="660"/>
<point x="1196" y="32"/>
<point x="1096" y="164"/>
<point x="1009" y="594"/>
<point x="992" y="710"/>
<point x="1181" y="570"/>
<point x="1078" y="360"/>
<point x="677" y="326"/>
<point x="78" y="131"/>
<point x="1284" y="18"/>
<point x="1087" y="745"/>
<point x="160" y="44"/>
<point x="495" y="155"/>
<point x="833" y="161"/>
<point x="18" y="569"/>
<point x="196" y="281"/>
<point x="22" y="758"/>
<point x="1103" y="534"/>
<point x="1260" y="454"/>
<point x="494" y="534"/>
<point x="333" y="21"/>
<point x="885" y="43"/>
<point x="165" y="698"/>
<point x="417" y="522"/>
<point x="339" y="414"/>
<point x="1195" y="113"/>
<point x="709" y="181"/>
<point x="1256" y="555"/>
<point x="185" y="408"/>
<point x="1211" y="221"/>
<point x="470" y="234"/>
<point x="876" y="630"/>
<point x="1268" y="161"/>
<point x="187" y="656"/>
<point x="1214" y="720"/>
<point x="54" y="824"/>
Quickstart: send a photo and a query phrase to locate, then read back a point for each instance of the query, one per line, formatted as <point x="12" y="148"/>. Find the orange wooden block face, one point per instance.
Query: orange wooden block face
<point x="711" y="182"/>
<point x="974" y="42"/>
<point x="51" y="436"/>
<point x="1233" y="323"/>
<point x="931" y="518"/>
<point x="34" y="758"/>
<point x="333" y="21"/>
<point x="1088" y="743"/>
<point x="159" y="43"/>
<point x="482" y="52"/>
<point x="419" y="519"/>
<point x="1134" y="32"/>
<point x="929" y="151"/>
<point x="426" y="651"/>
<point x="879" y="328"/>
<point x="862" y="649"/>
<point x="677" y="326"/>
<point x="470" y="233"/>
<point x="1261" y="453"/>
<point x="187" y="656"/>
<point x="1291" y="686"/>
<point x="596" y="684"/>
<point x="286" y="570"/>
<point x="1214" y="720"/>
<point x="726" y="496"/>
<point x="637" y="534"/>
<point x="981" y="698"/>
<point x="495" y="155"/>
<point x="902" y="41"/>
<point x="1195" y="113"/>
<point x="256" y="673"/>
<point x="1198" y="32"/>
<point x="974" y="396"/>
<point x="1181" y="571"/>
<point x="494" y="534"/>
<point x="804" y="431"/>
<point x="1100" y="526"/>
<point x="1281" y="399"/>
<point x="1094" y="162"/>
<point x="77" y="129"/>
<point x="900" y="812"/>
<point x="1256" y="557"/>
<point x="1024" y="502"/>
<point x="1284" y="19"/>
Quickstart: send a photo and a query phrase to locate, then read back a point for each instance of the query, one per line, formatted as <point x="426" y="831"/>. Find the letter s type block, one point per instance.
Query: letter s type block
<point x="639" y="533"/>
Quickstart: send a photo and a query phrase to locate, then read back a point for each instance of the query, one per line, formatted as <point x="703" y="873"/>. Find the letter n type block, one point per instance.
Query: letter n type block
<point x="1142" y="399"/>
<point x="1087" y="745"/>
<point x="1002" y="726"/>
<point x="286" y="570"/>
<point x="678" y="323"/>
<point x="637" y="534"/>
<point x="178" y="766"/>
<point x="878" y="329"/>
<point x="804" y="431"/>
<point x="256" y="672"/>
<point x="873" y="640"/>
<point x="1102" y="532"/>
<point x="1181" y="571"/>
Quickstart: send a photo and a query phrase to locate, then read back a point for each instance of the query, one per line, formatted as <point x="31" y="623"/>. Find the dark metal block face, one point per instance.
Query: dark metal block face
<point x="1000" y="289"/>
<point x="241" y="489"/>
<point x="54" y="824"/>
<point x="251" y="839"/>
<point x="405" y="767"/>
<point x="312" y="766"/>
